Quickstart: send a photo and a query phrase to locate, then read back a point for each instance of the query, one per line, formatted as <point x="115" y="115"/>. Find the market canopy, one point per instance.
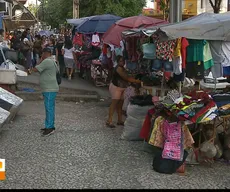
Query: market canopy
<point x="97" y="24"/>
<point x="45" y="33"/>
<point x="146" y="31"/>
<point x="114" y="34"/>
<point x="208" y="26"/>
<point x="76" y="22"/>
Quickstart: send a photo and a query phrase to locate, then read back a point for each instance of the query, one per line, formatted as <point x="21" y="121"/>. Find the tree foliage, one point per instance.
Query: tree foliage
<point x="123" y="8"/>
<point x="55" y="12"/>
<point x="33" y="9"/>
<point x="164" y="6"/>
<point x="216" y="5"/>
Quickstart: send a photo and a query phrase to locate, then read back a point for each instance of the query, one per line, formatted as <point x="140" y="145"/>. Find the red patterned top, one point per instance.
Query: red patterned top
<point x="165" y="49"/>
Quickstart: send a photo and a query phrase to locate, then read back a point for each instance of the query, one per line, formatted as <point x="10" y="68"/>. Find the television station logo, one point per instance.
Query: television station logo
<point x="2" y="169"/>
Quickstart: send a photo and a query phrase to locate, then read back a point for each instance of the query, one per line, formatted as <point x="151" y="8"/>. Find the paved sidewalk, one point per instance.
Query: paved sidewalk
<point x="76" y="83"/>
<point x="83" y="153"/>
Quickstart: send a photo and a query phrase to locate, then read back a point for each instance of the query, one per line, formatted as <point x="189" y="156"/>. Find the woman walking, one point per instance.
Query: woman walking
<point x="69" y="57"/>
<point x="59" y="55"/>
<point x="26" y="49"/>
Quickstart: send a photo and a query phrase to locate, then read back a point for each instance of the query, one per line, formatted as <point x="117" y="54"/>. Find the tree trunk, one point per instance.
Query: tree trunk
<point x="216" y="10"/>
<point x="216" y="5"/>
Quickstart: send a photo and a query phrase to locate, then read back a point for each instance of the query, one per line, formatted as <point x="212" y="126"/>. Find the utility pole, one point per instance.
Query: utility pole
<point x="175" y="12"/>
<point x="75" y="9"/>
<point x="36" y="10"/>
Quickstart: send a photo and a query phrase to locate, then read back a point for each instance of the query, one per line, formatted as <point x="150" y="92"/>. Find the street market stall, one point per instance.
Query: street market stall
<point x="130" y="49"/>
<point x="87" y="40"/>
<point x="180" y="121"/>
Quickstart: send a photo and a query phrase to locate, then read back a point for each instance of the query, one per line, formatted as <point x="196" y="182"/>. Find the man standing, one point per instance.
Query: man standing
<point x="48" y="83"/>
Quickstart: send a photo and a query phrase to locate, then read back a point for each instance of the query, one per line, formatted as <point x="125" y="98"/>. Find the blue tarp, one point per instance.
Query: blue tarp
<point x="97" y="24"/>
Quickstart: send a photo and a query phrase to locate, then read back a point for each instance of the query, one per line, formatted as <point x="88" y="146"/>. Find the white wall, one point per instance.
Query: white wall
<point x="208" y="8"/>
<point x="149" y="4"/>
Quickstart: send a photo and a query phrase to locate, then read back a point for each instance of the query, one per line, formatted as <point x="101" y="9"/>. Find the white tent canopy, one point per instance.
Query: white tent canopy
<point x="208" y="26"/>
<point x="147" y="31"/>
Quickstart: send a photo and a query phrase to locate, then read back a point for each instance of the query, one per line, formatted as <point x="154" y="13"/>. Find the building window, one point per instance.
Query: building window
<point x="201" y="4"/>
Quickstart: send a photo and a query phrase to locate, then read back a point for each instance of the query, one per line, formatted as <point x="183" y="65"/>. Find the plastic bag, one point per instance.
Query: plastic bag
<point x="21" y="73"/>
<point x="132" y="129"/>
<point x="137" y="112"/>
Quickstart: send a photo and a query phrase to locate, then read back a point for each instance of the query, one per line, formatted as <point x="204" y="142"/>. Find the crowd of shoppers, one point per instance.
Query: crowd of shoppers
<point x="29" y="47"/>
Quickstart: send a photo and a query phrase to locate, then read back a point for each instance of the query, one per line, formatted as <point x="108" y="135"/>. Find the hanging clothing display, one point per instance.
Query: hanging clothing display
<point x="158" y="65"/>
<point x="195" y="50"/>
<point x="177" y="65"/>
<point x="208" y="61"/>
<point x="195" y="70"/>
<point x="184" y="45"/>
<point x="95" y="40"/>
<point x="226" y="54"/>
<point x="165" y="49"/>
<point x="104" y="49"/>
<point x="218" y="58"/>
<point x="87" y="41"/>
<point x="172" y="145"/>
<point x="78" y="39"/>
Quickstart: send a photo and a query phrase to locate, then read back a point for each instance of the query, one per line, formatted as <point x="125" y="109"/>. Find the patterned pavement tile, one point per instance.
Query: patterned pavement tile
<point x="84" y="154"/>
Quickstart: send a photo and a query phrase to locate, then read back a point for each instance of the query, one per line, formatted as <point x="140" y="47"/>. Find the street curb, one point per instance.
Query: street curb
<point x="61" y="89"/>
<point x="36" y="96"/>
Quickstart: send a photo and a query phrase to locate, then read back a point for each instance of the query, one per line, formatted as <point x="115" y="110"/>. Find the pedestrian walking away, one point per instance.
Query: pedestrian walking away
<point x="49" y="86"/>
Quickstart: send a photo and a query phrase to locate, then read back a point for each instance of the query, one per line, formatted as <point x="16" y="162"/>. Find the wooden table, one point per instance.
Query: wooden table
<point x="99" y="74"/>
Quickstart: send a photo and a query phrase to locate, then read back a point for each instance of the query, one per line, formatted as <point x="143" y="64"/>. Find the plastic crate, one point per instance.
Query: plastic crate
<point x="8" y="76"/>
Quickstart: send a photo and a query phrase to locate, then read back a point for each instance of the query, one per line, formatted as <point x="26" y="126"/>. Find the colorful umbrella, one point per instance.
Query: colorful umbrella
<point x="97" y="24"/>
<point x="113" y="36"/>
<point x="76" y="22"/>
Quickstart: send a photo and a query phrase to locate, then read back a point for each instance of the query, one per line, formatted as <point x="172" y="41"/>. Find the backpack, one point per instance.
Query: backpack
<point x="166" y="166"/>
<point x="58" y="75"/>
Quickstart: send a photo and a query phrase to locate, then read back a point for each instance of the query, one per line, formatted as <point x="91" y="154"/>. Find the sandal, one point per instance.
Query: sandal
<point x="121" y="124"/>
<point x="110" y="125"/>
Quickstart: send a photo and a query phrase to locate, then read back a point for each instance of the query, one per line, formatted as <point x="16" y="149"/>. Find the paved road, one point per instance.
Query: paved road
<point x="83" y="153"/>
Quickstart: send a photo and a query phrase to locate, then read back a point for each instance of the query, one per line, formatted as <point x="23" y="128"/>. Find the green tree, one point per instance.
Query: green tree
<point x="33" y="9"/>
<point x="56" y="12"/>
<point x="123" y="8"/>
<point x="164" y="6"/>
<point x="216" y="4"/>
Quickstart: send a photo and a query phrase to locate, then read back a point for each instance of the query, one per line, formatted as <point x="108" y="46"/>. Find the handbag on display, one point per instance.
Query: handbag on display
<point x="149" y="51"/>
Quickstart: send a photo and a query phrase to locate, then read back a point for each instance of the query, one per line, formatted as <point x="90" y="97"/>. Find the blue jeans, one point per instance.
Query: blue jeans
<point x="161" y="64"/>
<point x="49" y="101"/>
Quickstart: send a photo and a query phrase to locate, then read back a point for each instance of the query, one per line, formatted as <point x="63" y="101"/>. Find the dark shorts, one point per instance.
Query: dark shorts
<point x="158" y="65"/>
<point x="179" y="78"/>
<point x="195" y="70"/>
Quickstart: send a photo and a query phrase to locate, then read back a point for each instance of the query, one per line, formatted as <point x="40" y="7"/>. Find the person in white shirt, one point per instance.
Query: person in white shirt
<point x="69" y="57"/>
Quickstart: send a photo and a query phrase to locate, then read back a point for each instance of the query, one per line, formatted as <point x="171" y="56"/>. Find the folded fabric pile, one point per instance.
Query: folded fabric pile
<point x="196" y="106"/>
